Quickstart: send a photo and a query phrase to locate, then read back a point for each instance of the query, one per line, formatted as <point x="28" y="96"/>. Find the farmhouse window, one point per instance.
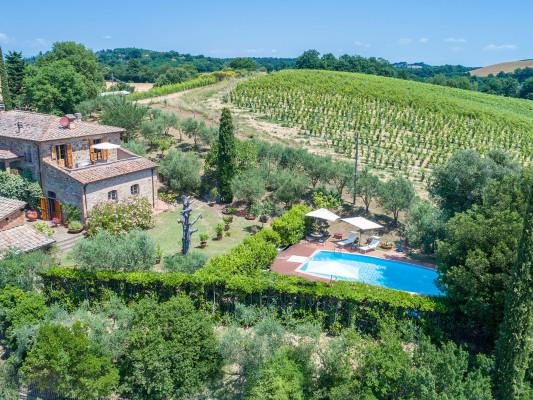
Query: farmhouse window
<point x="112" y="195"/>
<point x="62" y="153"/>
<point x="134" y="190"/>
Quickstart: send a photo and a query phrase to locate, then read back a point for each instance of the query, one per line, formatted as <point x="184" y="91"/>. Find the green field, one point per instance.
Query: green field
<point x="403" y="125"/>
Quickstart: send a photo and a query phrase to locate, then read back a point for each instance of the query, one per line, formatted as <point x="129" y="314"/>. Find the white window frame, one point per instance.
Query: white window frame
<point x="112" y="195"/>
<point x="135" y="189"/>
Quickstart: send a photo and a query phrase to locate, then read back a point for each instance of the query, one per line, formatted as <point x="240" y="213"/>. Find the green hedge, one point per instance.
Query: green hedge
<point x="239" y="277"/>
<point x="254" y="254"/>
<point x="291" y="226"/>
<point x="174" y="88"/>
<point x="345" y="303"/>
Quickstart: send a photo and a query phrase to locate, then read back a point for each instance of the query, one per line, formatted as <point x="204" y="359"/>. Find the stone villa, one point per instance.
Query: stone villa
<point x="59" y="152"/>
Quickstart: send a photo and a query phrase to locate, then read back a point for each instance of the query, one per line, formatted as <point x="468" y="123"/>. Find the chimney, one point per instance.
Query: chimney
<point x="78" y="116"/>
<point x="19" y="126"/>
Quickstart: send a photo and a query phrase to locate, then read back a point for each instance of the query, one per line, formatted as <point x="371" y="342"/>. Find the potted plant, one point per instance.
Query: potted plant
<point x="75" y="227"/>
<point x="386" y="245"/>
<point x="227" y="221"/>
<point x="219" y="229"/>
<point x="56" y="221"/>
<point x="213" y="193"/>
<point x="32" y="215"/>
<point x="203" y="240"/>
<point x="229" y="210"/>
<point x="263" y="218"/>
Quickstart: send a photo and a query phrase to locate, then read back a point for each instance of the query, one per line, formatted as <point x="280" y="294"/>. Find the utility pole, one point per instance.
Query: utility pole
<point x="355" y="167"/>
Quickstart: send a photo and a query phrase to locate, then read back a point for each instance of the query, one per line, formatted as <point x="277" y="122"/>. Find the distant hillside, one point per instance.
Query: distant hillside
<point x="510" y="66"/>
<point x="404" y="125"/>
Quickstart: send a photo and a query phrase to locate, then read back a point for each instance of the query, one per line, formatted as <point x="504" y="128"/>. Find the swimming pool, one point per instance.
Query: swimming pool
<point x="374" y="271"/>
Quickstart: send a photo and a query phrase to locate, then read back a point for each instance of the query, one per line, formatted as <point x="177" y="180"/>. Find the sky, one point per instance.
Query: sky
<point x="467" y="32"/>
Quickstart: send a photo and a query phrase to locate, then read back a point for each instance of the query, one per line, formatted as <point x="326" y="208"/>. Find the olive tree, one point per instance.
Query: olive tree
<point x="396" y="195"/>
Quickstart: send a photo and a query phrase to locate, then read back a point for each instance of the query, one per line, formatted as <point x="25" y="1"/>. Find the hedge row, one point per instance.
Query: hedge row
<point x="174" y="88"/>
<point x="240" y="277"/>
<point x="345" y="303"/>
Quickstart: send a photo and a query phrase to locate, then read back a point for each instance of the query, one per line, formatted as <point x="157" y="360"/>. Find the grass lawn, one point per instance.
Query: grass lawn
<point x="168" y="232"/>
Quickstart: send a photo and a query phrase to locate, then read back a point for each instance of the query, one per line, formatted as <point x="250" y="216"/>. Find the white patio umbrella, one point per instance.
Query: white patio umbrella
<point x="105" y="146"/>
<point x="362" y="224"/>
<point x="323" y="213"/>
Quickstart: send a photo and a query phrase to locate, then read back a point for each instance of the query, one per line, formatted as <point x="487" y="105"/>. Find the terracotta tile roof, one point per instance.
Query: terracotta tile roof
<point x="100" y="172"/>
<point x="24" y="238"/>
<point x="44" y="127"/>
<point x="6" y="154"/>
<point x="9" y="206"/>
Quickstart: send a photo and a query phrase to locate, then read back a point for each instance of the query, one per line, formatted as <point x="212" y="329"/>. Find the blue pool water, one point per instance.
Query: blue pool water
<point x="374" y="271"/>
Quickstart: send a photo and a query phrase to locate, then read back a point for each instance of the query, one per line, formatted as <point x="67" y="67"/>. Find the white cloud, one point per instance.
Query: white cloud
<point x="274" y="51"/>
<point x="405" y="41"/>
<point x="4" y="39"/>
<point x="423" y="40"/>
<point x="455" y="40"/>
<point x="456" y="48"/>
<point x="107" y="37"/>
<point x="357" y="43"/>
<point x="39" y="42"/>
<point x="499" y="47"/>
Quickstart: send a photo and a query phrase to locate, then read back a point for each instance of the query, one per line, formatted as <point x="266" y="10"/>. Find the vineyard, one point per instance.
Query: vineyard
<point x="403" y="125"/>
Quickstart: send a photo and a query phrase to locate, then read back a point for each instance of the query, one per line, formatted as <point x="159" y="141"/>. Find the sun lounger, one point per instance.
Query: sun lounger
<point x="349" y="240"/>
<point x="372" y="246"/>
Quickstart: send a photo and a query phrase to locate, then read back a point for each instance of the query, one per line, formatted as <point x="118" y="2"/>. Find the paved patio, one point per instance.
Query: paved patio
<point x="305" y="249"/>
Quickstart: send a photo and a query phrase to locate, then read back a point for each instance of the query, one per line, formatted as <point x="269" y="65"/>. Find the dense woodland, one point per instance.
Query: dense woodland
<point x="140" y="65"/>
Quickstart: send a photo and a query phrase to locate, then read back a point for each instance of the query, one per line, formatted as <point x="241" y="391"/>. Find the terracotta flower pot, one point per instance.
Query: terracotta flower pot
<point x="32" y="215"/>
<point x="250" y="217"/>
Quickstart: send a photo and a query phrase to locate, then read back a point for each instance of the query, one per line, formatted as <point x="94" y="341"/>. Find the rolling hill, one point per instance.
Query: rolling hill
<point x="404" y="125"/>
<point x="510" y="66"/>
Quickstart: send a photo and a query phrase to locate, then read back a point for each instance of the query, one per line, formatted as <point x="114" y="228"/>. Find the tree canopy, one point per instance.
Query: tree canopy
<point x="163" y="360"/>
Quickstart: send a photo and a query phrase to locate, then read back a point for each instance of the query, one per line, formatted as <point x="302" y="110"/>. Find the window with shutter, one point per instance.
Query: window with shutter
<point x="69" y="161"/>
<point x="43" y="205"/>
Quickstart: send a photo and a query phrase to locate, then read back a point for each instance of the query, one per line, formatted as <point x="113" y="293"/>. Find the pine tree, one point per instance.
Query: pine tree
<point x="4" y="87"/>
<point x="514" y="341"/>
<point x="15" y="69"/>
<point x="226" y="160"/>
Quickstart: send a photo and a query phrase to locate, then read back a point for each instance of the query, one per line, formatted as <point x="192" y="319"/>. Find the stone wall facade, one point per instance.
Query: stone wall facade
<point x="27" y="149"/>
<point x="99" y="191"/>
<point x="66" y="189"/>
<point x="80" y="147"/>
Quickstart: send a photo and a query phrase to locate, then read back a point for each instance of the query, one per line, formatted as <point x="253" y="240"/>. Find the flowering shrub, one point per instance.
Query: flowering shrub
<point x="121" y="217"/>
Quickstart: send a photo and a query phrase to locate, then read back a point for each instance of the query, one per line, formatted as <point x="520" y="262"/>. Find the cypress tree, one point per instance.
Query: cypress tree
<point x="15" y="68"/>
<point x="4" y="87"/>
<point x="514" y="341"/>
<point x="226" y="158"/>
